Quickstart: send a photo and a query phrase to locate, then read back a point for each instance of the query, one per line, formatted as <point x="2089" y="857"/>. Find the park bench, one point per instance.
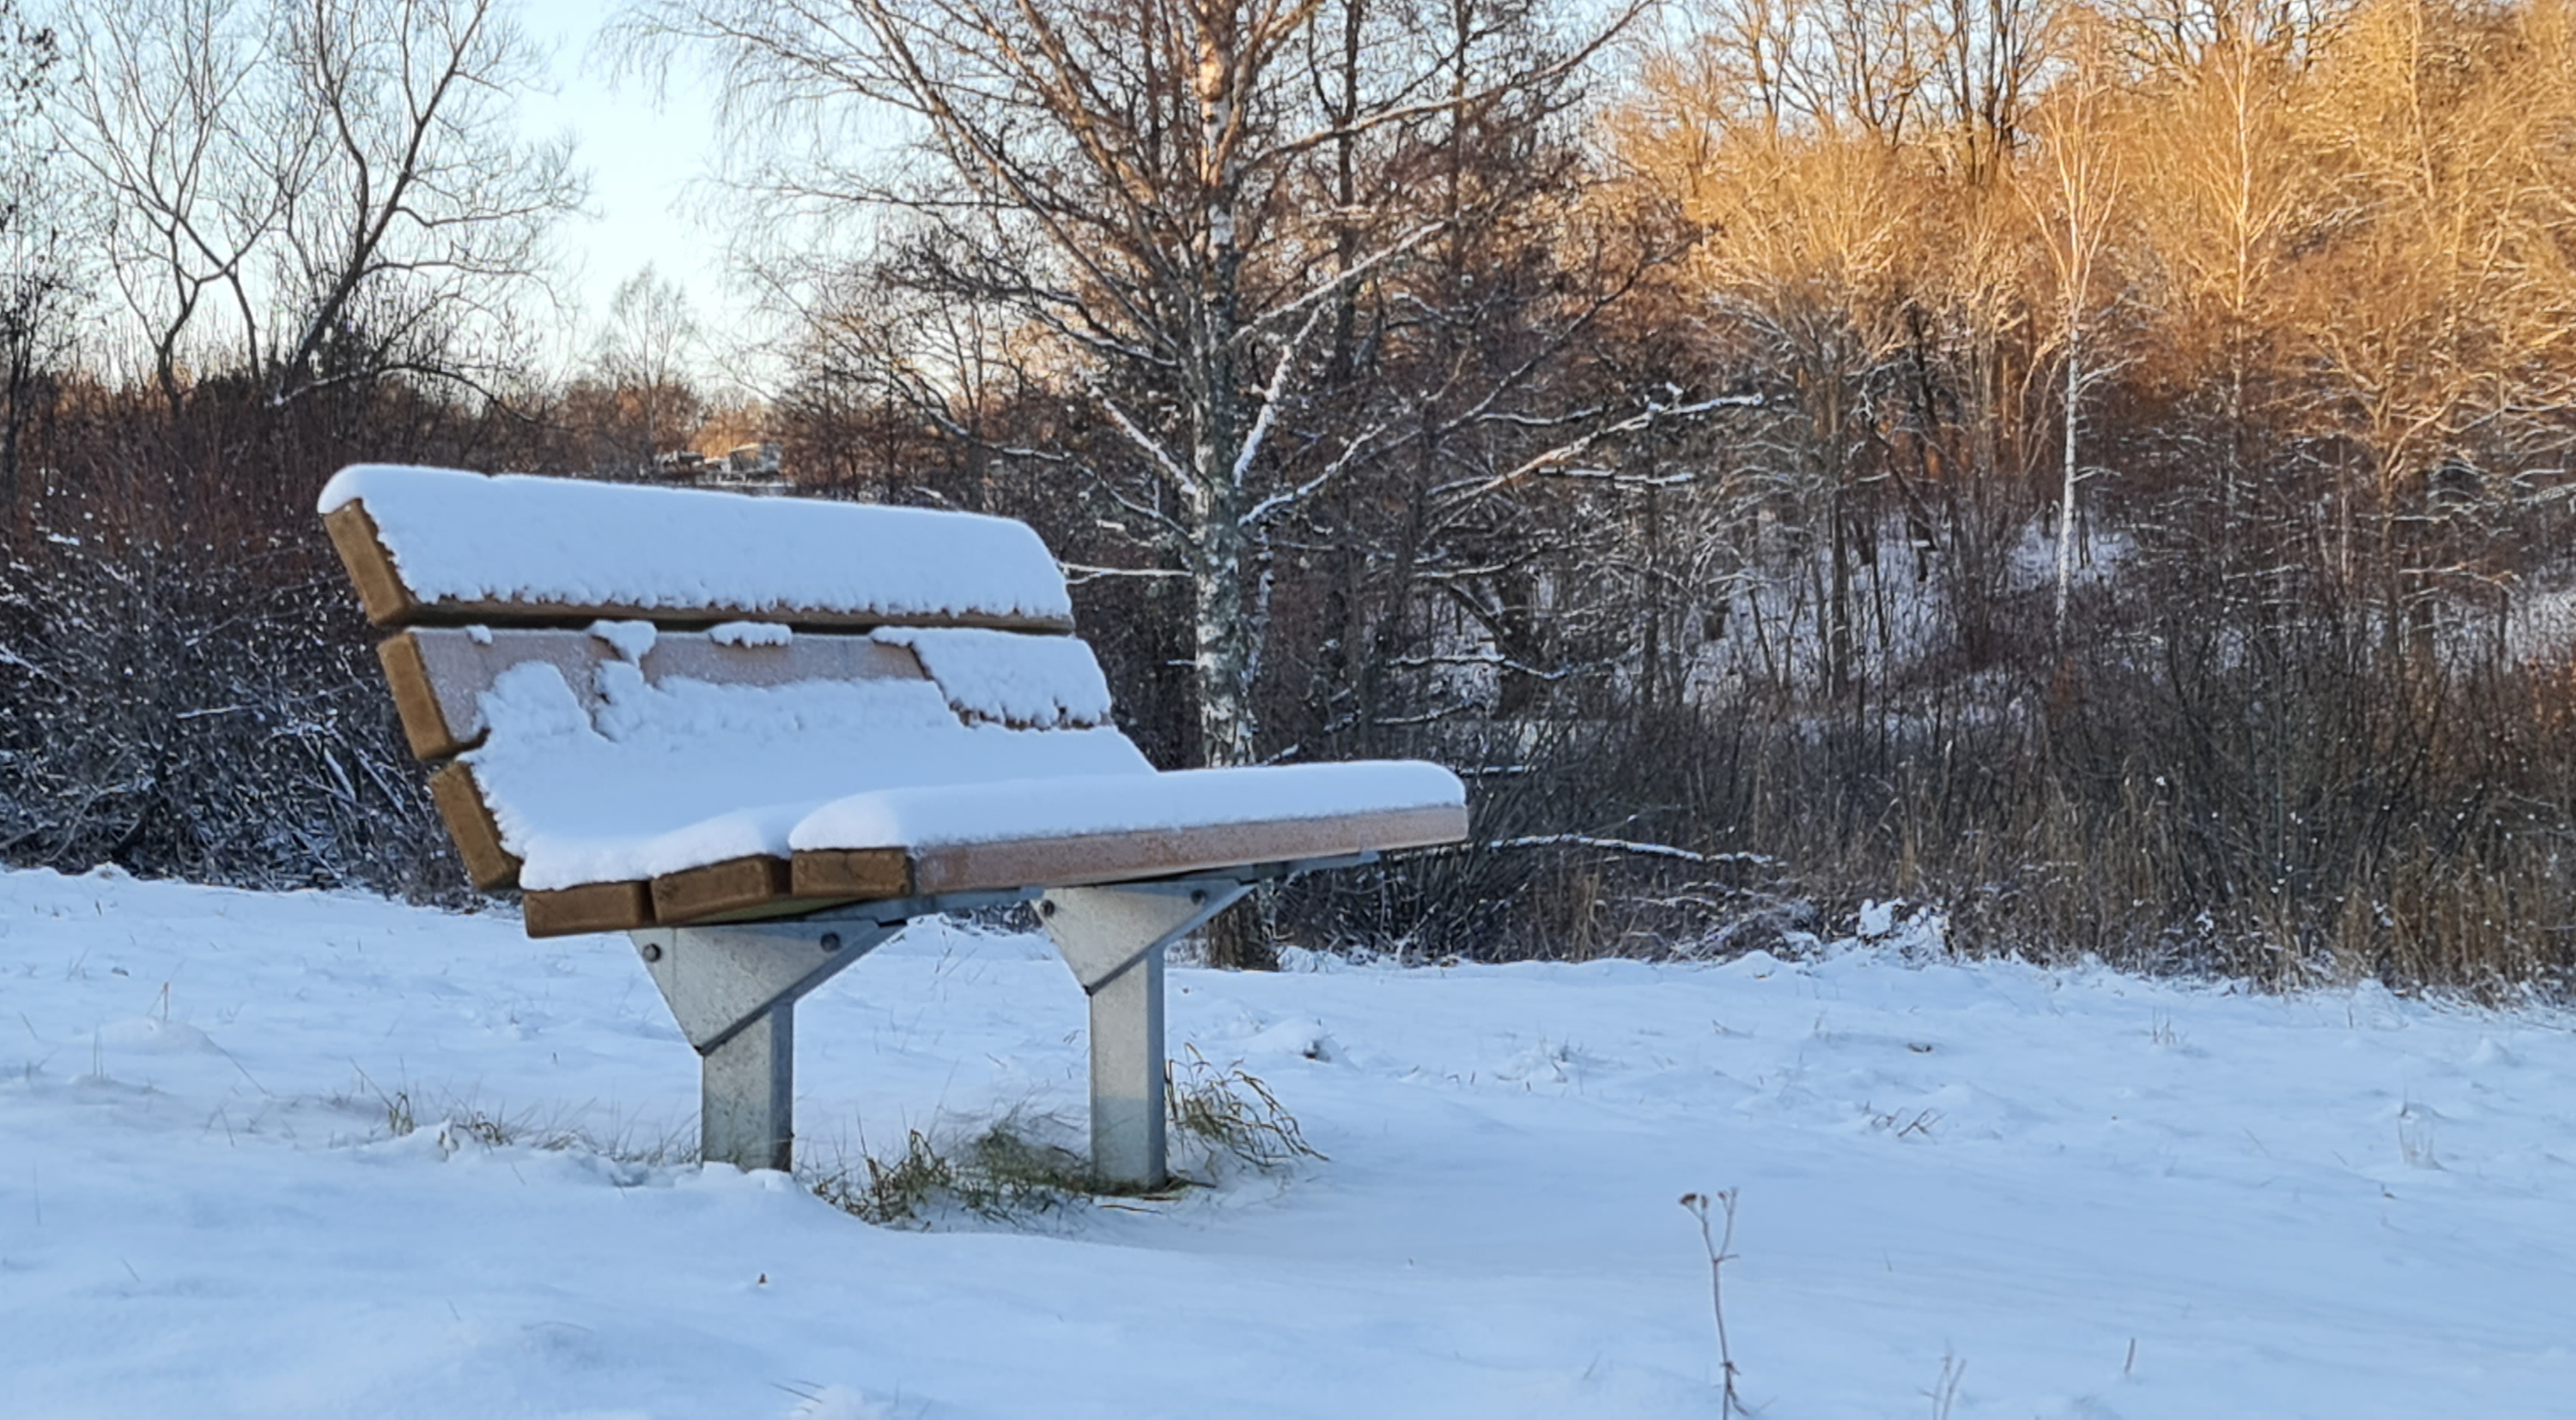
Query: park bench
<point x="759" y="735"/>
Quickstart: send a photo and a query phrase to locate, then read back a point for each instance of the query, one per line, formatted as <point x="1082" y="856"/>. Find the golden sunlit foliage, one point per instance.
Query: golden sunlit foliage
<point x="2348" y="225"/>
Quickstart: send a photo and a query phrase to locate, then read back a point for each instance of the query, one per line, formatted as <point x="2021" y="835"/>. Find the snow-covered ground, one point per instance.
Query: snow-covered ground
<point x="2105" y="1197"/>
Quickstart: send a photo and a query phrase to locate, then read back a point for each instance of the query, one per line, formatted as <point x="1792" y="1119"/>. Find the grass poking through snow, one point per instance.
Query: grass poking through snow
<point x="1028" y="1165"/>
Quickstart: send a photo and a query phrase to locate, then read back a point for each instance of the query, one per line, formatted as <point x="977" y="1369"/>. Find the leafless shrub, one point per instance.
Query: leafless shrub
<point x="1944" y="1393"/>
<point x="193" y="720"/>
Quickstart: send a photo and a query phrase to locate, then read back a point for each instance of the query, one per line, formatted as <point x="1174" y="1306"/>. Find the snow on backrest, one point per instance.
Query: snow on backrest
<point x="439" y="674"/>
<point x="1039" y="681"/>
<point x="443" y="544"/>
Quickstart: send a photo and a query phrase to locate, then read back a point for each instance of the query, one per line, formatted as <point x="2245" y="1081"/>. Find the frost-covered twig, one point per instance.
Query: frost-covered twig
<point x="1076" y="573"/>
<point x="1720" y="1246"/>
<point x="1623" y="845"/>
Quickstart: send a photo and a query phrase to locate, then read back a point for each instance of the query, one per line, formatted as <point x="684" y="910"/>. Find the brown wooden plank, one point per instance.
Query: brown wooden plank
<point x="439" y="674"/>
<point x="1117" y="857"/>
<point x="416" y="699"/>
<point x="853" y="874"/>
<point x="754" y="888"/>
<point x="775" y="908"/>
<point x="429" y="514"/>
<point x="371" y="569"/>
<point x="389" y="601"/>
<point x="731" y="886"/>
<point x="592" y="907"/>
<point x="469" y="822"/>
<point x="1158" y="853"/>
<point x="695" y="618"/>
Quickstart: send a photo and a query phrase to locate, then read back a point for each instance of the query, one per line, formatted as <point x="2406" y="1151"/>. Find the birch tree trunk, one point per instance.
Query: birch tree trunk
<point x="2085" y="189"/>
<point x="1225" y="636"/>
<point x="2071" y="471"/>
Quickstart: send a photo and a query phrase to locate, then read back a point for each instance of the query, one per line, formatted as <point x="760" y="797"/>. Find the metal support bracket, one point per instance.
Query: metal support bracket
<point x="734" y="990"/>
<point x="718" y="980"/>
<point x="1113" y="939"/>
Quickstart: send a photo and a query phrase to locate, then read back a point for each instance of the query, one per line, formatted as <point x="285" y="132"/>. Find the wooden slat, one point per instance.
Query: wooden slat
<point x="424" y="718"/>
<point x="730" y="886"/>
<point x="592" y="907"/>
<point x="1159" y="853"/>
<point x="753" y="888"/>
<point x="439" y="674"/>
<point x="371" y="569"/>
<point x="853" y="874"/>
<point x="389" y="601"/>
<point x="775" y="908"/>
<point x="875" y="873"/>
<point x="469" y="823"/>
<point x="575" y="615"/>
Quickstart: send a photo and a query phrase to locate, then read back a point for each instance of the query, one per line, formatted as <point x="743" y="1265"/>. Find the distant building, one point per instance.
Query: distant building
<point x="755" y="463"/>
<point x="759" y="460"/>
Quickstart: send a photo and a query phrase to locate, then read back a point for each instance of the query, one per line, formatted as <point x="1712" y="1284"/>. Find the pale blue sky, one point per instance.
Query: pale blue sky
<point x="647" y="163"/>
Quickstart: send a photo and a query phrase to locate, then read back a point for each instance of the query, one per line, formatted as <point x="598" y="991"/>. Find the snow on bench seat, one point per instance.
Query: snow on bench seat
<point x="1077" y="830"/>
<point x="640" y="781"/>
<point x="447" y="546"/>
<point x="689" y="800"/>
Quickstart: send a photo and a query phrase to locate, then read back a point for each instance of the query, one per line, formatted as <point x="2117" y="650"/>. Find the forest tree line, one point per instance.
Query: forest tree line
<point x="2096" y="472"/>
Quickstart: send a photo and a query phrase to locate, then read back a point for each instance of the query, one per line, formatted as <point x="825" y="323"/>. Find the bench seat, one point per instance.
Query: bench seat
<point x="927" y="841"/>
<point x="633" y="810"/>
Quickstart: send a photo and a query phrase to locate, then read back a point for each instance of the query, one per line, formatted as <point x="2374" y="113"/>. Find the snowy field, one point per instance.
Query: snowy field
<point x="2101" y="1197"/>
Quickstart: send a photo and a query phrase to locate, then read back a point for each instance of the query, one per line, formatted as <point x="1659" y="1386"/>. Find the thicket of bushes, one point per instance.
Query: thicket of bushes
<point x="2187" y="779"/>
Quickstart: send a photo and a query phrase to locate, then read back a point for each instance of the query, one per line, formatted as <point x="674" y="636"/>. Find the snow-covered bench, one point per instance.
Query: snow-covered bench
<point x="760" y="734"/>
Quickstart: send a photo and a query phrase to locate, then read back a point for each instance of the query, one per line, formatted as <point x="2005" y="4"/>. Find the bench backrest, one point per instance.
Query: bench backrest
<point x="715" y="652"/>
<point x="444" y="547"/>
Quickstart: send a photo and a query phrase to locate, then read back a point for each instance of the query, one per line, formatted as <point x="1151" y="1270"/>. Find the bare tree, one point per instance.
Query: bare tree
<point x="648" y="353"/>
<point x="167" y="110"/>
<point x="333" y="189"/>
<point x="1814" y="258"/>
<point x="2452" y="199"/>
<point x="2077" y="197"/>
<point x="1135" y="184"/>
<point x="37" y="285"/>
<point x="1989" y="58"/>
<point x="425" y="211"/>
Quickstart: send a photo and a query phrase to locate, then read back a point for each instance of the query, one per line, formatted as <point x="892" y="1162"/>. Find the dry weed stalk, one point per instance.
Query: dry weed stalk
<point x="1720" y="1245"/>
<point x="1233" y="1111"/>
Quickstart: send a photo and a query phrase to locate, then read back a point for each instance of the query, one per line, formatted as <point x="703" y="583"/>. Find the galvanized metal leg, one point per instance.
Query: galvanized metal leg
<point x="1113" y="939"/>
<point x="734" y="991"/>
<point x="747" y="1094"/>
<point x="1127" y="1143"/>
